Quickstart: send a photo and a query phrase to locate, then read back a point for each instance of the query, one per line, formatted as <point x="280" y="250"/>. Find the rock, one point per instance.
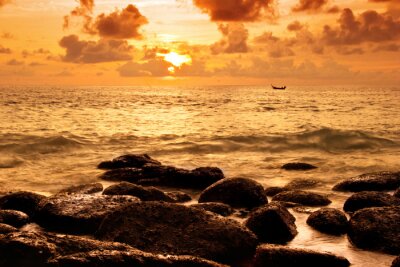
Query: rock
<point x="159" y="175"/>
<point x="23" y="201"/>
<point x="14" y="218"/>
<point x="166" y="228"/>
<point x="236" y="192"/>
<point x="287" y="204"/>
<point x="397" y="193"/>
<point x="377" y="181"/>
<point x="329" y="221"/>
<point x="302" y="197"/>
<point x="130" y="258"/>
<point x="368" y="199"/>
<point x="143" y="193"/>
<point x="78" y="213"/>
<point x="215" y="207"/>
<point x="274" y="190"/>
<point x="281" y="256"/>
<point x="272" y="223"/>
<point x="179" y="197"/>
<point x="83" y="189"/>
<point x="396" y="262"/>
<point x="298" y="166"/>
<point x="297" y="184"/>
<point x="130" y="160"/>
<point x="376" y="229"/>
<point x="5" y="229"/>
<point x="33" y="249"/>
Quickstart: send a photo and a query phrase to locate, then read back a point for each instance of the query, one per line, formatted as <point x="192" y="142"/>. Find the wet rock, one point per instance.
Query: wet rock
<point x="376" y="229"/>
<point x="130" y="160"/>
<point x="143" y="193"/>
<point x="5" y="229"/>
<point x="302" y="184"/>
<point x="83" y="189"/>
<point x="287" y="204"/>
<point x="281" y="256"/>
<point x="14" y="218"/>
<point x="236" y="192"/>
<point x="130" y="258"/>
<point x="368" y="199"/>
<point x="166" y="228"/>
<point x="33" y="249"/>
<point x="329" y="221"/>
<point x="397" y="193"/>
<point x="159" y="175"/>
<point x="396" y="262"/>
<point x="302" y="197"/>
<point x="23" y="201"/>
<point x="298" y="166"/>
<point x="272" y="223"/>
<point x="78" y="213"/>
<point x="377" y="181"/>
<point x="215" y="207"/>
<point x="274" y="190"/>
<point x="179" y="197"/>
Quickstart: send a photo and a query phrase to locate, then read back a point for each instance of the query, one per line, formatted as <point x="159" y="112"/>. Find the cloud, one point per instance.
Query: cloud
<point x="237" y="10"/>
<point x="369" y="26"/>
<point x="309" y="5"/>
<point x="104" y="50"/>
<point x="295" y="26"/>
<point x="5" y="50"/>
<point x="4" y="2"/>
<point x="387" y="48"/>
<point x="154" y="67"/>
<point x="265" y="37"/>
<point x="14" y="62"/>
<point x="84" y="10"/>
<point x="343" y="50"/>
<point x="234" y="39"/>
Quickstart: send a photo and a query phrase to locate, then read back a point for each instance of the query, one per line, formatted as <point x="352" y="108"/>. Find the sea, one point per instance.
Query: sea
<point x="54" y="137"/>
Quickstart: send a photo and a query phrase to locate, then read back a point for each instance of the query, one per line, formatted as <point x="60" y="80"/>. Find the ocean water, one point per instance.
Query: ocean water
<point x="52" y="137"/>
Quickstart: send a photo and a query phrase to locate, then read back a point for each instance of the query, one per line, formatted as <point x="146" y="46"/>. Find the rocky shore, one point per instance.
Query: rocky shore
<point x="137" y="222"/>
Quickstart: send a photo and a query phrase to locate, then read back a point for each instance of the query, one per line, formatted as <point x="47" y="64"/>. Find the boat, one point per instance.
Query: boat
<point x="278" y="88"/>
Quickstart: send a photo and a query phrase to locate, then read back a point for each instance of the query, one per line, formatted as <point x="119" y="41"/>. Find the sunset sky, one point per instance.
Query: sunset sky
<point x="199" y="42"/>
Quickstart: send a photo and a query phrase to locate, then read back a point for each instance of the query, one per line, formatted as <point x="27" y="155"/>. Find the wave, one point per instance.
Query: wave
<point x="7" y="162"/>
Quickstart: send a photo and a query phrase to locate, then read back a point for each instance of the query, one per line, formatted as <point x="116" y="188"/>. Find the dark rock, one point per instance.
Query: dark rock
<point x="215" y="207"/>
<point x="298" y="166"/>
<point x="5" y="229"/>
<point x="236" y="192"/>
<point x="14" y="218"/>
<point x="302" y="197"/>
<point x="396" y="262"/>
<point x="130" y="160"/>
<point x="329" y="221"/>
<point x="130" y="258"/>
<point x="77" y="213"/>
<point x="297" y="184"/>
<point x="281" y="256"/>
<point x="83" y="189"/>
<point x="376" y="229"/>
<point x="23" y="201"/>
<point x="179" y="197"/>
<point x="377" y="181"/>
<point x="160" y="175"/>
<point x="143" y="193"/>
<point x="274" y="190"/>
<point x="397" y="193"/>
<point x="272" y="223"/>
<point x="166" y="228"/>
<point x="368" y="199"/>
<point x="287" y="204"/>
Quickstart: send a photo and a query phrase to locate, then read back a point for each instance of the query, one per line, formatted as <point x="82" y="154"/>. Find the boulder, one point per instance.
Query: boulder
<point x="130" y="160"/>
<point x="215" y="207"/>
<point x="302" y="197"/>
<point x="14" y="218"/>
<point x="368" y="199"/>
<point x="5" y="229"/>
<point x="78" y="213"/>
<point x="129" y="258"/>
<point x="143" y="193"/>
<point x="167" y="228"/>
<point x="396" y="262"/>
<point x="272" y="223"/>
<point x="376" y="229"/>
<point x="83" y="189"/>
<point x="274" y="190"/>
<point x="377" y="181"/>
<point x="298" y="166"/>
<point x="302" y="183"/>
<point x="397" y="193"/>
<point x="179" y="197"/>
<point x="281" y="256"/>
<point x="26" y="202"/>
<point x="329" y="221"/>
<point x="236" y="192"/>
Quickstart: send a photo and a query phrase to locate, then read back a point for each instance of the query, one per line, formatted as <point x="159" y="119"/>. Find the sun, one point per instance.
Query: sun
<point x="176" y="59"/>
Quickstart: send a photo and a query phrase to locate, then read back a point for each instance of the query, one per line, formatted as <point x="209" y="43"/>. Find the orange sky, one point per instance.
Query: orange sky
<point x="196" y="42"/>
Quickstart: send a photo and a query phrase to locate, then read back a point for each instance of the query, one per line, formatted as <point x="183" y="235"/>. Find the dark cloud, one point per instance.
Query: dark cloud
<point x="234" y="39"/>
<point x="4" y="2"/>
<point x="152" y="52"/>
<point x="309" y="5"/>
<point x="14" y="62"/>
<point x="84" y="10"/>
<point x="295" y="26"/>
<point x="104" y="50"/>
<point x="369" y="26"/>
<point x="333" y="9"/>
<point x="5" y="50"/>
<point x="266" y="37"/>
<point x="154" y="67"/>
<point x="344" y="50"/>
<point x="237" y="10"/>
<point x="387" y="48"/>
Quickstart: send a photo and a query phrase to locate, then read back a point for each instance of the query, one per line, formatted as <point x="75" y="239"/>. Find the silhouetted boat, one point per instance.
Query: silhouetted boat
<point x="278" y="88"/>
